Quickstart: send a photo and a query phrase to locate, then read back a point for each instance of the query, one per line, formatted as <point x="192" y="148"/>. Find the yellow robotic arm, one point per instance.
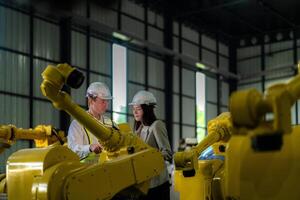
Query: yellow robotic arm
<point x="56" y="173"/>
<point x="43" y="135"/>
<point x="219" y="129"/>
<point x="194" y="178"/>
<point x="262" y="156"/>
<point x="54" y="79"/>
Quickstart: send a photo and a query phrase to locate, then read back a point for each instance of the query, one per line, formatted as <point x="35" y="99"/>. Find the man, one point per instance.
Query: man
<point x="80" y="140"/>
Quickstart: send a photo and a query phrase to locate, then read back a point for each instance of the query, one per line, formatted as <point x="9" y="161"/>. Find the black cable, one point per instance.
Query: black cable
<point x="54" y="132"/>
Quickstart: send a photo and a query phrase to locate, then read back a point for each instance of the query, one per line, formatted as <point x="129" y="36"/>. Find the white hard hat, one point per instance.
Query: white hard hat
<point x="143" y="97"/>
<point x="191" y="141"/>
<point x="98" y="89"/>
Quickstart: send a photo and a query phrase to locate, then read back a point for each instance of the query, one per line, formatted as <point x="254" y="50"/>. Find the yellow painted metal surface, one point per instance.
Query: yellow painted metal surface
<point x="269" y="175"/>
<point x="113" y="176"/>
<point x="25" y="166"/>
<point x="219" y="130"/>
<point x="55" y="173"/>
<point x="43" y="135"/>
<point x="2" y="183"/>
<point x="198" y="187"/>
<point x="262" y="158"/>
<point x="207" y="172"/>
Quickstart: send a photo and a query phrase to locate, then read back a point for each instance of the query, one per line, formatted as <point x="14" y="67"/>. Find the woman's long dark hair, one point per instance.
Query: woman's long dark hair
<point x="148" y="116"/>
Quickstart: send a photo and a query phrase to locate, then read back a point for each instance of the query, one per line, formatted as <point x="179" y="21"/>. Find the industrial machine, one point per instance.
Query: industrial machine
<point x="55" y="172"/>
<point x="203" y="179"/>
<point x="42" y="135"/>
<point x="262" y="161"/>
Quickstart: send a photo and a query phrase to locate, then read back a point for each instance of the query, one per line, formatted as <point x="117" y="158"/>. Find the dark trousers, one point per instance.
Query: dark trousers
<point x="161" y="192"/>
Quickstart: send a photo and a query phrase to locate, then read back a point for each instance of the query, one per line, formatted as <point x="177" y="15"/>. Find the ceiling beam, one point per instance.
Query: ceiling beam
<point x="244" y="21"/>
<point x="133" y="40"/>
<point x="270" y="8"/>
<point x="213" y="8"/>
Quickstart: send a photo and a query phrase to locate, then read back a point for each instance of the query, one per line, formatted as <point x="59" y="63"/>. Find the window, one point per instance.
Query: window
<point x="200" y="105"/>
<point x="119" y="84"/>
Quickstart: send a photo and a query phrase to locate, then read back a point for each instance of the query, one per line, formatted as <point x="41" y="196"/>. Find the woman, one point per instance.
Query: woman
<point x="154" y="133"/>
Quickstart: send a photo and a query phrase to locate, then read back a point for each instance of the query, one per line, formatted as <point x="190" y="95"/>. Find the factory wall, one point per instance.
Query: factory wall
<point x="29" y="42"/>
<point x="261" y="66"/>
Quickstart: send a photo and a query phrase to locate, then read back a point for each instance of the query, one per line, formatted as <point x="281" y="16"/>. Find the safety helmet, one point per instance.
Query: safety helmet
<point x="143" y="97"/>
<point x="98" y="89"/>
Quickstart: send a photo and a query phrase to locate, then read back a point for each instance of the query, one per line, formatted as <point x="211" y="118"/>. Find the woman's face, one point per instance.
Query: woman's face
<point x="138" y="113"/>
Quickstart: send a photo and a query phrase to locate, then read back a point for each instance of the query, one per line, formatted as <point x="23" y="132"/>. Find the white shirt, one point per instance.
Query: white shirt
<point x="79" y="139"/>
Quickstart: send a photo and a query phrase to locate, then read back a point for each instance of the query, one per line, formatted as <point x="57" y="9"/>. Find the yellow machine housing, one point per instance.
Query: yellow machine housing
<point x="267" y="175"/>
<point x="43" y="136"/>
<point x="262" y="161"/>
<point x="55" y="172"/>
<point x="203" y="179"/>
<point x="262" y="158"/>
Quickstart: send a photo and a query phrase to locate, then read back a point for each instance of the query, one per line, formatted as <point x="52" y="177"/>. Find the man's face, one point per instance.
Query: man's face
<point x="99" y="105"/>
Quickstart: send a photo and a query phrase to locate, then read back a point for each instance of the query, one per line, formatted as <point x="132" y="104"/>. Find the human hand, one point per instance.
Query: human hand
<point x="96" y="148"/>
